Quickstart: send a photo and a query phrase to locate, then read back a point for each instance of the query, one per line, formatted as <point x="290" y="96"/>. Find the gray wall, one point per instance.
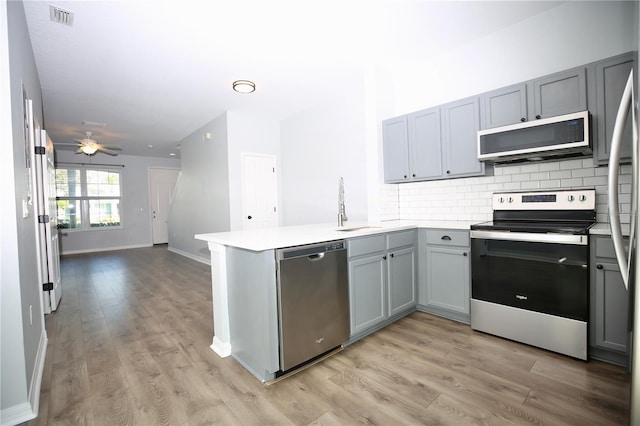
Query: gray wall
<point x="135" y="214"/>
<point x="201" y="199"/>
<point x="318" y="146"/>
<point x="20" y="292"/>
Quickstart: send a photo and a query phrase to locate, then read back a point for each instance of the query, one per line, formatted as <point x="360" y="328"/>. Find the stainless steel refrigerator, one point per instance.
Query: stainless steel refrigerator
<point x="629" y="263"/>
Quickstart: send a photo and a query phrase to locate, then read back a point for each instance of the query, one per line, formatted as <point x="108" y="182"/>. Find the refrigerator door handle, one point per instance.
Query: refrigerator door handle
<point x="614" y="166"/>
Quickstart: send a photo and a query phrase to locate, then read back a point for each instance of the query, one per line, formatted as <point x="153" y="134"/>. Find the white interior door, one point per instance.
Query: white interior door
<point x="162" y="183"/>
<point x="259" y="191"/>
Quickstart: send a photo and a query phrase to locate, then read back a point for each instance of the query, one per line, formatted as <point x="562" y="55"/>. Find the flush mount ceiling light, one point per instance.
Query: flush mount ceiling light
<point x="244" y="86"/>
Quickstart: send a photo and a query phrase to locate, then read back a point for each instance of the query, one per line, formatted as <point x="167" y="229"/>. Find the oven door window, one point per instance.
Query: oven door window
<point x="542" y="277"/>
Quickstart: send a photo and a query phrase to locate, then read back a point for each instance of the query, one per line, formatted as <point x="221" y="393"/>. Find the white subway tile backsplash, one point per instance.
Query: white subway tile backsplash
<point x="469" y="199"/>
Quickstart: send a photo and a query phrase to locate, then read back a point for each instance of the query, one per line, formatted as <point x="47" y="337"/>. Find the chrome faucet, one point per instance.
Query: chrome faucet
<point x="342" y="215"/>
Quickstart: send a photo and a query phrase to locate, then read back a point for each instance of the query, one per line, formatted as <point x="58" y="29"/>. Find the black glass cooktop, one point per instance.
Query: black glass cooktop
<point x="557" y="227"/>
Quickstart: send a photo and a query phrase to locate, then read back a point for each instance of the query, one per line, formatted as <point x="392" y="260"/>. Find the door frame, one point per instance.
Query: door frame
<point x="149" y="194"/>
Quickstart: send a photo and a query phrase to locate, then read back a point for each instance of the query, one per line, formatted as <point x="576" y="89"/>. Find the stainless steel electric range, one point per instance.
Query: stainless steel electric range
<point x="530" y="275"/>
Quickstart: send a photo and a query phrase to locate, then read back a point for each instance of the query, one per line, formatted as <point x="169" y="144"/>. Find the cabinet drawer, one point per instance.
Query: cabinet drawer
<point x="365" y="245"/>
<point x="401" y="239"/>
<point x="604" y="247"/>
<point x="448" y="237"/>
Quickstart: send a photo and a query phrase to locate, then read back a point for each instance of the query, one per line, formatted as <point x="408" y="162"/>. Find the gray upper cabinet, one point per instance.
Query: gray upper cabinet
<point x="461" y="122"/>
<point x="556" y="94"/>
<point x="425" y="144"/>
<point x="412" y="146"/>
<point x="504" y="106"/>
<point x="395" y="142"/>
<point x="560" y="93"/>
<point x="611" y="78"/>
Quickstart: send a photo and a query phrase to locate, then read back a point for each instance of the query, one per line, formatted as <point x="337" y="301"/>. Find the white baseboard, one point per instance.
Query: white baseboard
<point x="17" y="414"/>
<point x="28" y="410"/>
<point x="95" y="250"/>
<point x="206" y="261"/>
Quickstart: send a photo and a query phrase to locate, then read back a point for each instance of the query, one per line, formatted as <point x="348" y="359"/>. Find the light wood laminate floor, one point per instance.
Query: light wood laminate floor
<point x="129" y="345"/>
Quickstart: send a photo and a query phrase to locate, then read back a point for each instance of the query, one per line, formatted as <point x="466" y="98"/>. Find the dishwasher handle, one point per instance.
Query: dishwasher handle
<point x="316" y="257"/>
<point x="310" y="251"/>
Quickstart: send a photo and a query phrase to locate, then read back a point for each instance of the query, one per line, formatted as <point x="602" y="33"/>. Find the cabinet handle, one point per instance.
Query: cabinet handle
<point x="446" y="238"/>
<point x="405" y="176"/>
<point x="414" y="175"/>
<point x="523" y="119"/>
<point x="448" y="171"/>
<point x="538" y="117"/>
<point x="384" y="257"/>
<point x="464" y="253"/>
<point x="599" y="266"/>
<point x="391" y="255"/>
<point x="249" y="217"/>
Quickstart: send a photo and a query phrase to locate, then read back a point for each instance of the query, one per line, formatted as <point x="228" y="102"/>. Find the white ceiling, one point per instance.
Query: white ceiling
<point x="155" y="71"/>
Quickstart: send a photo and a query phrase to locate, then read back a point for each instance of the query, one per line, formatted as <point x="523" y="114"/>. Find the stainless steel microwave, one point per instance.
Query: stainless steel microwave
<point x="545" y="139"/>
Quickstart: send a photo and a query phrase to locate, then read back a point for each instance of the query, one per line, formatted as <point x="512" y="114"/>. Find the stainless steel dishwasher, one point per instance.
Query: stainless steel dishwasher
<point x="313" y="301"/>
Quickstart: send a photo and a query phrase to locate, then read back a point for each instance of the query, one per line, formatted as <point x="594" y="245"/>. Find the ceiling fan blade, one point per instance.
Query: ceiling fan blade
<point x="79" y="151"/>
<point x="107" y="151"/>
<point x="66" y="144"/>
<point x="114" y="147"/>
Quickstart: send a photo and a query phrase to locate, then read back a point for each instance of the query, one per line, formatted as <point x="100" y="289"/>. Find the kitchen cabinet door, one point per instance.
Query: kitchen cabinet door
<point x="425" y="144"/>
<point x="504" y="106"/>
<point x="395" y="144"/>
<point x="611" y="78"/>
<point x="448" y="278"/>
<point x="461" y="124"/>
<point x="367" y="298"/>
<point x="402" y="279"/>
<point x="611" y="308"/>
<point x="560" y="93"/>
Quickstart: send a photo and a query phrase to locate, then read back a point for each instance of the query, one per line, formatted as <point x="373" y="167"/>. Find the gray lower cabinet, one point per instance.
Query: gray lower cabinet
<point x="382" y="280"/>
<point x="609" y="304"/>
<point x="556" y="94"/>
<point x="445" y="281"/>
<point x="611" y="78"/>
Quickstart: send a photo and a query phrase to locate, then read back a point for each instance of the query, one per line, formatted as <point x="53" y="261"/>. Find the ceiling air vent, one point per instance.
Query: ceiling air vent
<point x="61" y="16"/>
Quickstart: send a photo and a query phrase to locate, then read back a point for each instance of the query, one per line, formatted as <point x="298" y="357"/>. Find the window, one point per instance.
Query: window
<point x="88" y="199"/>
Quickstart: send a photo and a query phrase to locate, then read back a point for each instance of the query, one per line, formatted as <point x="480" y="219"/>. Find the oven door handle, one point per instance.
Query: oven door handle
<point x="581" y="240"/>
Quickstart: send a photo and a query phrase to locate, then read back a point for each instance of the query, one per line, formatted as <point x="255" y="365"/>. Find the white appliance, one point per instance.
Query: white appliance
<point x="629" y="264"/>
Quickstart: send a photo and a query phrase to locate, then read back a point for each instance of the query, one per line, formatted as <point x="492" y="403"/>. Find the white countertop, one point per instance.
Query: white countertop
<point x="604" y="229"/>
<point x="288" y="236"/>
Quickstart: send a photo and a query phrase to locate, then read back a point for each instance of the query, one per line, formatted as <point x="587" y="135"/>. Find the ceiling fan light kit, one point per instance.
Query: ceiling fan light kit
<point x="89" y="149"/>
<point x="244" y="86"/>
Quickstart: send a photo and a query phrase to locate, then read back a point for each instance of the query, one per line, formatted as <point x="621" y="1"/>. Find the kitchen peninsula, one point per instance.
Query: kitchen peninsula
<point x="243" y="265"/>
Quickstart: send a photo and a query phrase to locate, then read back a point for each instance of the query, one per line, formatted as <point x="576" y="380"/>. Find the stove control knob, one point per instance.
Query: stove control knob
<point x="582" y="197"/>
<point x="571" y="198"/>
<point x="510" y="199"/>
<point x="501" y="200"/>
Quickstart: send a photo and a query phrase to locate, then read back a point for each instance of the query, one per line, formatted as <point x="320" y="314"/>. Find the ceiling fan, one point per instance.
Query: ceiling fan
<point x="89" y="146"/>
